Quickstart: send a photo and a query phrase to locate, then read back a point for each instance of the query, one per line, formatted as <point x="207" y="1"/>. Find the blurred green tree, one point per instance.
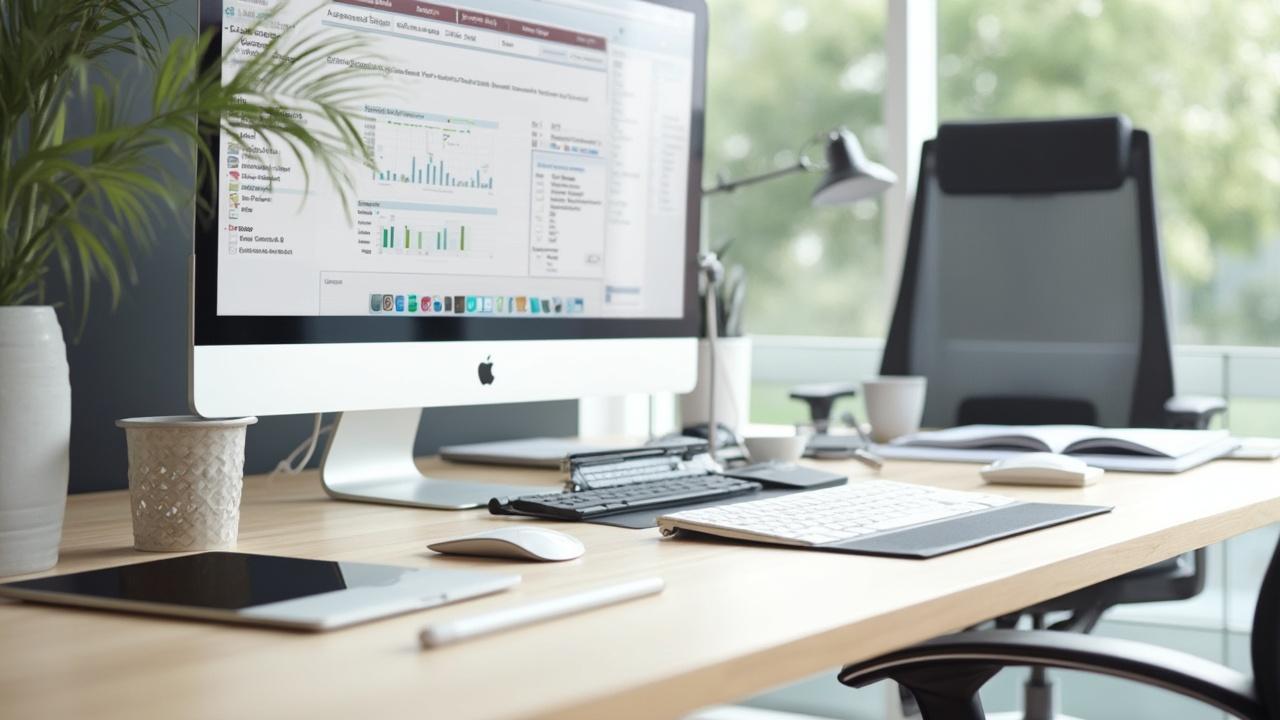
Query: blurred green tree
<point x="1203" y="76"/>
<point x="781" y="71"/>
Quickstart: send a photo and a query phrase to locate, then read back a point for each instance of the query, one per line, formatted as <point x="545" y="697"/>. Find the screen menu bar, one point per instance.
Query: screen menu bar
<point x="470" y="18"/>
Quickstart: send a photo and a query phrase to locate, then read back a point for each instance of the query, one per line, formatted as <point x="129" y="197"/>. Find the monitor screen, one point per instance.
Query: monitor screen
<point x="535" y="164"/>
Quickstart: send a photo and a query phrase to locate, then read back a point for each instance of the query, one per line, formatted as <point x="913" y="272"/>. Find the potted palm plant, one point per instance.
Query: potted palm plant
<point x="80" y="189"/>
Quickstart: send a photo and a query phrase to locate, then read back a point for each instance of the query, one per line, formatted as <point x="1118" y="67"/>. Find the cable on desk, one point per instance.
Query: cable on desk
<point x="287" y="466"/>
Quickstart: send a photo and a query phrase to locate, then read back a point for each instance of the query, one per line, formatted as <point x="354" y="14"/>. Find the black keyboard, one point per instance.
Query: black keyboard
<point x="588" y="504"/>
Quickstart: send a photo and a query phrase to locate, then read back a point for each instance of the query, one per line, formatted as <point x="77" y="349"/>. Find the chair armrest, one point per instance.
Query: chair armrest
<point x="1197" y="678"/>
<point x="1192" y="412"/>
<point x="820" y="397"/>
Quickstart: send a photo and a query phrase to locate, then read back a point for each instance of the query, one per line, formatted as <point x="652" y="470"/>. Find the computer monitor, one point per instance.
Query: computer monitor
<point x="529" y="230"/>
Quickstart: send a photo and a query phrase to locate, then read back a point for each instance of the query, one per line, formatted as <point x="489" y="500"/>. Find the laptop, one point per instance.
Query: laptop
<point x="540" y="452"/>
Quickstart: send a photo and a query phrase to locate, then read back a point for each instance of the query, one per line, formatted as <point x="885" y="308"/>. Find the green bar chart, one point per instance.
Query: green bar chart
<point x="427" y="237"/>
<point x="432" y="232"/>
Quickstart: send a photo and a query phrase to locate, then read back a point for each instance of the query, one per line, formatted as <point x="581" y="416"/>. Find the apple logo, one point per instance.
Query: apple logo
<point x="486" y="371"/>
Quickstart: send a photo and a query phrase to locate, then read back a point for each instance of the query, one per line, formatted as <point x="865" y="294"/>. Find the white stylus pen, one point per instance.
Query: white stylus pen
<point x="477" y="625"/>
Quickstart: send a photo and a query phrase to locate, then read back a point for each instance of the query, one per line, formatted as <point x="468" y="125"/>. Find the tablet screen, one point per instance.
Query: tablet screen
<point x="220" y="580"/>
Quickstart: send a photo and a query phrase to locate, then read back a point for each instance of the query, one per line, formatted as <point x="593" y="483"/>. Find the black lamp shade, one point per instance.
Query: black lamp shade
<point x="850" y="175"/>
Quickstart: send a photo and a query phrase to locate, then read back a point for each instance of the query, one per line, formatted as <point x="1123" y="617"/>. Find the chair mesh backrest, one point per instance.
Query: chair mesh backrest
<point x="1037" y="295"/>
<point x="1032" y="294"/>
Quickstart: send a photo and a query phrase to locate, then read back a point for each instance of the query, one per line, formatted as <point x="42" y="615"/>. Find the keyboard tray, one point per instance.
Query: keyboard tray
<point x="926" y="541"/>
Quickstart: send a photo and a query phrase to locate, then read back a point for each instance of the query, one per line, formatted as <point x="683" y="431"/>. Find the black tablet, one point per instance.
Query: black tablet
<point x="261" y="589"/>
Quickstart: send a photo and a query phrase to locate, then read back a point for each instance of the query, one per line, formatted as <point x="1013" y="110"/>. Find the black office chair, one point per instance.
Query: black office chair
<point x="1032" y="292"/>
<point x="1032" y="288"/>
<point x="946" y="673"/>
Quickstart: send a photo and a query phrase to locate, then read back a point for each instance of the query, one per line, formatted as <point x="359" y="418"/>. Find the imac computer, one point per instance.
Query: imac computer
<point x="528" y="230"/>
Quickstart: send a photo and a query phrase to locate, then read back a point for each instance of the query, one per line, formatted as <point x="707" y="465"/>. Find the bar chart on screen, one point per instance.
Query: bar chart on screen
<point x="433" y="231"/>
<point x="428" y="238"/>
<point x="430" y="152"/>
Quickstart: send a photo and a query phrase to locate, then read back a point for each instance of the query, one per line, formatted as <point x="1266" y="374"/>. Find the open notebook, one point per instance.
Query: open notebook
<point x="1130" y="449"/>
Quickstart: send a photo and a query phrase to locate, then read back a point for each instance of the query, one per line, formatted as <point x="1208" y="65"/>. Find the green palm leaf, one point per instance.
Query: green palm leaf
<point x="84" y="204"/>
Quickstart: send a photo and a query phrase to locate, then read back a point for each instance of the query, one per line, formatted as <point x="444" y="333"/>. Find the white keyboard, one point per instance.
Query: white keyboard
<point x="859" y="509"/>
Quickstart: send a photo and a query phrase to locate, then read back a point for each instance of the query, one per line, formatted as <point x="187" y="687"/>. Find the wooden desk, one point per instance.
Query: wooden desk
<point x="734" y="620"/>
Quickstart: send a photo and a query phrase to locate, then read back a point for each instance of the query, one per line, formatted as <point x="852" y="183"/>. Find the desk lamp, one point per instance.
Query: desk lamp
<point x="848" y="176"/>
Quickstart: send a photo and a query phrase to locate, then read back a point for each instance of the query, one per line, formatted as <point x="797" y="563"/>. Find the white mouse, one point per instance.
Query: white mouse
<point x="517" y="542"/>
<point x="1041" y="468"/>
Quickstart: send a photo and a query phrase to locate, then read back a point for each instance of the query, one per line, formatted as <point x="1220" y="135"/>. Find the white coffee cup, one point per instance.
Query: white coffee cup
<point x="895" y="405"/>
<point x="785" y="449"/>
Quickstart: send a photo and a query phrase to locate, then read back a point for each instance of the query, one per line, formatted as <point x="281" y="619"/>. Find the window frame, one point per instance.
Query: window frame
<point x="911" y="118"/>
<point x="1219" y="370"/>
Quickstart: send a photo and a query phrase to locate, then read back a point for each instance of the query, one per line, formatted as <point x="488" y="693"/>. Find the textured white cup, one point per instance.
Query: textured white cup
<point x="185" y="475"/>
<point x="895" y="405"/>
<point x="786" y="449"/>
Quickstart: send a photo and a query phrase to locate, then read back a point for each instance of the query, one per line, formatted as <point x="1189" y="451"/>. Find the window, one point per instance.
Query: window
<point x="779" y="72"/>
<point x="1202" y="76"/>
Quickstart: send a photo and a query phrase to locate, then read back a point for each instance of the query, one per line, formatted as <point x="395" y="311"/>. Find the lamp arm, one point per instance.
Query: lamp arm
<point x="724" y="185"/>
<point x="713" y="272"/>
<point x="713" y="339"/>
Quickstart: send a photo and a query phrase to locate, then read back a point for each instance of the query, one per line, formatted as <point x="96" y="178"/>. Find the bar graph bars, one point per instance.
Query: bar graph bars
<point x="440" y="155"/>
<point x="426" y="239"/>
<point x="434" y="172"/>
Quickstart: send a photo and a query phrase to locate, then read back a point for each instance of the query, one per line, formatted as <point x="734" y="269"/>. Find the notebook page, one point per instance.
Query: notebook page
<point x="1150" y="441"/>
<point x="1036" y="438"/>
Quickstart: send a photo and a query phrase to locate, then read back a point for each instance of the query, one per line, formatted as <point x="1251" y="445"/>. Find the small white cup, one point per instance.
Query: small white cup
<point x="895" y="405"/>
<point x="787" y="449"/>
<point x="185" y="475"/>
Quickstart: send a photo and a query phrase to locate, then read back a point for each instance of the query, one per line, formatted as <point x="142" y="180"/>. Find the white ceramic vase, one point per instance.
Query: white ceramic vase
<point x="733" y="385"/>
<point x="35" y="438"/>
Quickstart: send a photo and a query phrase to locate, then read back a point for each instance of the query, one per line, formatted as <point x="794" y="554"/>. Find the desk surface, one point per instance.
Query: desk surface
<point x="734" y="619"/>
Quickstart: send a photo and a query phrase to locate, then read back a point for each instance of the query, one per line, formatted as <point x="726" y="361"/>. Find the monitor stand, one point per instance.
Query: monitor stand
<point x="370" y="459"/>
